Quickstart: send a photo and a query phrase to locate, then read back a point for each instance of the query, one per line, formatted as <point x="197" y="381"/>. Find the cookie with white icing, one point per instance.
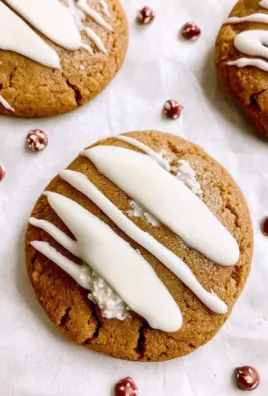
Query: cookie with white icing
<point x="63" y="54"/>
<point x="141" y="247"/>
<point x="242" y="59"/>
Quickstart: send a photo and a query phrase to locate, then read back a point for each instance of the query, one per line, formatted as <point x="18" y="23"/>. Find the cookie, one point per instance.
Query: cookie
<point x="62" y="57"/>
<point x="156" y="253"/>
<point x="241" y="59"/>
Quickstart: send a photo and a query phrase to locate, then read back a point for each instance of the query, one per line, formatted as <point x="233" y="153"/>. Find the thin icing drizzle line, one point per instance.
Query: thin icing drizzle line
<point x="80" y="182"/>
<point x="6" y="104"/>
<point x="87" y="48"/>
<point x="136" y="143"/>
<point x="252" y="42"/>
<point x="168" y="199"/>
<point x="96" y="39"/>
<point x="82" y="4"/>
<point x="243" y="62"/>
<point x="129" y="274"/>
<point x="105" y="8"/>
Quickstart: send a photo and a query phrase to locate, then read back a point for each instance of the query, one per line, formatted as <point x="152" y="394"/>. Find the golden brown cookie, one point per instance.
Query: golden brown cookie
<point x="34" y="90"/>
<point x="67" y="304"/>
<point x="247" y="85"/>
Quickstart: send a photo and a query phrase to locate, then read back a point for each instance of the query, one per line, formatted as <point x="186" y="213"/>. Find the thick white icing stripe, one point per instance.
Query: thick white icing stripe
<point x="168" y="199"/>
<point x="136" y="143"/>
<point x="252" y="42"/>
<point x="264" y="4"/>
<point x="6" y="104"/>
<point x="17" y="36"/>
<point x="168" y="258"/>
<point x="78" y="272"/>
<point x="243" y="62"/>
<point x="128" y="273"/>
<point x="52" y="19"/>
<point x="83" y="5"/>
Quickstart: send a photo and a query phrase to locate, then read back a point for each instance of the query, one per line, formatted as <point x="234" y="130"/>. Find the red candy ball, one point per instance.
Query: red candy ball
<point x="126" y="387"/>
<point x="247" y="378"/>
<point x="172" y="109"/>
<point x="3" y="172"/>
<point x="37" y="140"/>
<point x="146" y="15"/>
<point x="190" y="31"/>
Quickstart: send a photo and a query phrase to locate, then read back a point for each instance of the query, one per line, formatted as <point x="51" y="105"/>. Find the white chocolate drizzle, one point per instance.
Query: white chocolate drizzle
<point x="185" y="173"/>
<point x="166" y="256"/>
<point x="83" y="6"/>
<point x="128" y="273"/>
<point x="25" y="41"/>
<point x="105" y="8"/>
<point x="168" y="199"/>
<point x="111" y="305"/>
<point x="252" y="42"/>
<point x="55" y="21"/>
<point x="6" y="104"/>
<point x="52" y="19"/>
<point x="196" y="225"/>
<point x="96" y="39"/>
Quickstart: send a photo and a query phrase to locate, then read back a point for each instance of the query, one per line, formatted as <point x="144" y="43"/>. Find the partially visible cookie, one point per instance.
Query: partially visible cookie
<point x="243" y="42"/>
<point x="101" y="321"/>
<point x="31" y="89"/>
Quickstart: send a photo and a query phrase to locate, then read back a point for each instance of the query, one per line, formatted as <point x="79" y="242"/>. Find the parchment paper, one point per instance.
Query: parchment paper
<point x="35" y="359"/>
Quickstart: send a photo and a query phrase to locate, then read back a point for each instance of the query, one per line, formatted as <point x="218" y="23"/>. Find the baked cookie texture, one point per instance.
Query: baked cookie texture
<point x="248" y="85"/>
<point x="67" y="304"/>
<point x="34" y="90"/>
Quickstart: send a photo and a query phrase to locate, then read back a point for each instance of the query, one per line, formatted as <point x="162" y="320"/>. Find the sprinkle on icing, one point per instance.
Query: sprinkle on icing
<point x="138" y="211"/>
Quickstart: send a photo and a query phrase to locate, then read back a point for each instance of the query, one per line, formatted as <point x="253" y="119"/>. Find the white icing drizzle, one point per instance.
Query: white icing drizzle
<point x="6" y="104"/>
<point x="24" y="41"/>
<point x="105" y="8"/>
<point x="138" y="211"/>
<point x="83" y="6"/>
<point x="252" y="42"/>
<point x="264" y="4"/>
<point x="166" y="256"/>
<point x="111" y="305"/>
<point x="168" y="199"/>
<point x="52" y="19"/>
<point x="128" y="273"/>
<point x="243" y="62"/>
<point x="87" y="48"/>
<point x="96" y="39"/>
<point x="185" y="173"/>
<point x="136" y="143"/>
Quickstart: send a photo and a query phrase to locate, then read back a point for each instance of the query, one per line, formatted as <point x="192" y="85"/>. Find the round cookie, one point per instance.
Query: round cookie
<point x="66" y="303"/>
<point x="29" y="89"/>
<point x="248" y="85"/>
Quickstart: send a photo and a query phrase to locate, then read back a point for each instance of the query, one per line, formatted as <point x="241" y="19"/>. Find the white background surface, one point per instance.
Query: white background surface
<point x="35" y="359"/>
